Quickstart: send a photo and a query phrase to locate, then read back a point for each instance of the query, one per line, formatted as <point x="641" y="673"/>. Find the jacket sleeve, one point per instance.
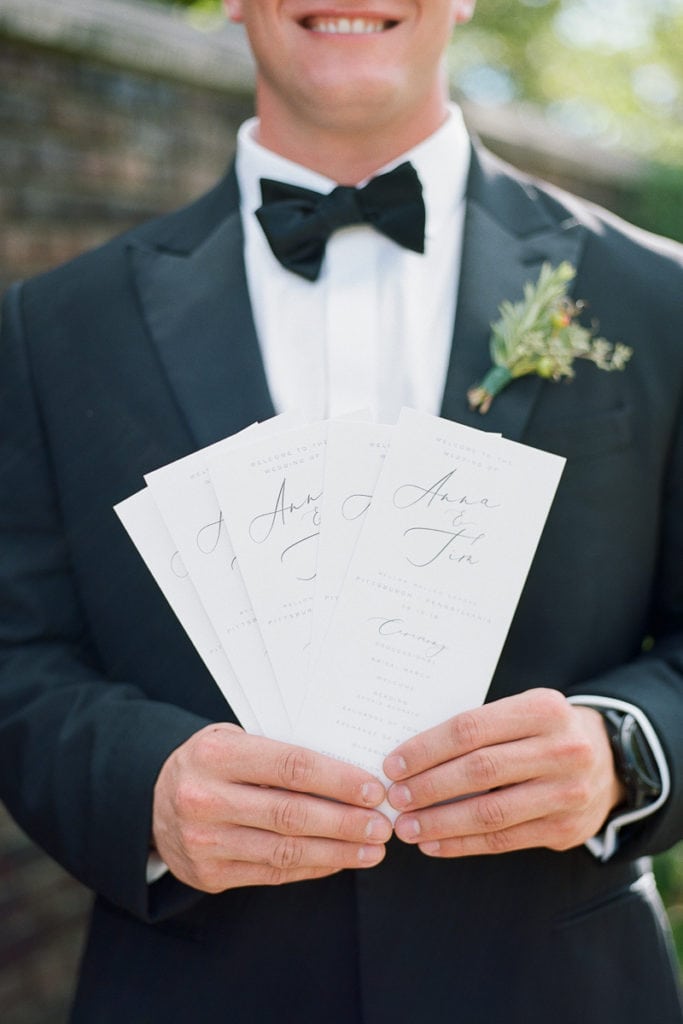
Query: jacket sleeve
<point x="79" y="752"/>
<point x="654" y="680"/>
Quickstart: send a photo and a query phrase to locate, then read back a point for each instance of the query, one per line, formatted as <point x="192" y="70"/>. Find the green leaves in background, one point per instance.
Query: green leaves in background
<point x="608" y="71"/>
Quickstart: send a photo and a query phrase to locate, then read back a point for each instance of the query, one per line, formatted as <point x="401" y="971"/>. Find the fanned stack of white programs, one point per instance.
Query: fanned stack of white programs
<point x="347" y="584"/>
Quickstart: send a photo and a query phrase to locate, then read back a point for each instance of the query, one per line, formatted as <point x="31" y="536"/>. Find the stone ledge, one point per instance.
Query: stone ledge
<point x="141" y="37"/>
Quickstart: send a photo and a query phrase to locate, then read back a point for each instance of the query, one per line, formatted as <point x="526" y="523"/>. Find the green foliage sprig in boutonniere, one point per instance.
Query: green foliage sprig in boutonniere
<point x="539" y="335"/>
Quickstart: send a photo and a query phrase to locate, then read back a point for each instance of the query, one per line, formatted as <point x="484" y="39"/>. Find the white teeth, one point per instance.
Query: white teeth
<point x="346" y="26"/>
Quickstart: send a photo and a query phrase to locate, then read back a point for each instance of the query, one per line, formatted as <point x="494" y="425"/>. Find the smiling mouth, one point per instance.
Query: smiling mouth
<point x="347" y="26"/>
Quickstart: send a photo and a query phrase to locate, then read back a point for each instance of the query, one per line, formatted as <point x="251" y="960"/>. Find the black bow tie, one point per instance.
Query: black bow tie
<point x="297" y="221"/>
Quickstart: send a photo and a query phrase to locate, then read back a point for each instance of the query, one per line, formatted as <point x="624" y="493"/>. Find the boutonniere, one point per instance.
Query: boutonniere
<point x="540" y="335"/>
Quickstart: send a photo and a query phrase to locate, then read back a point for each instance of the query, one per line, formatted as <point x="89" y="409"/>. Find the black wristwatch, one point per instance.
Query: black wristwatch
<point x="633" y="759"/>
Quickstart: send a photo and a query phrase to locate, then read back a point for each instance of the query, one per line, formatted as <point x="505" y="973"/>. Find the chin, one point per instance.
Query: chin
<point x="366" y="99"/>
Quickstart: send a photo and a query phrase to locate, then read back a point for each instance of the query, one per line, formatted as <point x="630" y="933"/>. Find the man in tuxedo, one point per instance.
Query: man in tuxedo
<point x="242" y="879"/>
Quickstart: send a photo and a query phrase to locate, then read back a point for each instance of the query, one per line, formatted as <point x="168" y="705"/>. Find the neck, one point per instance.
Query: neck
<point x="347" y="153"/>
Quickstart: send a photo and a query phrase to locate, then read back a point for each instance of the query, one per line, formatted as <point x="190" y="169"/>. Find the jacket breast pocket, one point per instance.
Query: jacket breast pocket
<point x="586" y="436"/>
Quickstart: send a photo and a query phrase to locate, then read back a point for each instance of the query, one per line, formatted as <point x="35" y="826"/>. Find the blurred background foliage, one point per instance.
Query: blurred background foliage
<point x="608" y="72"/>
<point x="602" y="71"/>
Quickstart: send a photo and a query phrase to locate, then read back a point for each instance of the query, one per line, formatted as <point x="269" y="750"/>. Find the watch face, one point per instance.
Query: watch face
<point x="638" y="759"/>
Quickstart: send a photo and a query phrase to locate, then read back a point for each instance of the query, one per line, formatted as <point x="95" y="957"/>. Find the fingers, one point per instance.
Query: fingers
<point x="229" y="857"/>
<point x="232" y="809"/>
<point x="225" y="776"/>
<point x="504" y="721"/>
<point x="480" y="771"/>
<point x="521" y="837"/>
<point x="294" y="814"/>
<point x="238" y="874"/>
<point x="211" y="856"/>
<point x="291" y="853"/>
<point x="499" y="823"/>
<point x="263" y="762"/>
<point x="552" y="784"/>
<point x="528" y="770"/>
<point x="482" y="815"/>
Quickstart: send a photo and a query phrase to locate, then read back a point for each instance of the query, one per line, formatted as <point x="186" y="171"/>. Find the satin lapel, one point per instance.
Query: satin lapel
<point x="497" y="261"/>
<point x="197" y="310"/>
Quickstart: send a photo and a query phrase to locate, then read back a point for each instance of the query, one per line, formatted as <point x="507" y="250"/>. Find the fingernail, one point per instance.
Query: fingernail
<point x="378" y="828"/>
<point x="431" y="849"/>
<point x="395" y="766"/>
<point x="370" y="854"/>
<point x="372" y="793"/>
<point x="400" y="796"/>
<point x="408" y="829"/>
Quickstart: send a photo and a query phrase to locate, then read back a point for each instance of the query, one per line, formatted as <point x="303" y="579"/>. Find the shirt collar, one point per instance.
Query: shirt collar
<point x="448" y="147"/>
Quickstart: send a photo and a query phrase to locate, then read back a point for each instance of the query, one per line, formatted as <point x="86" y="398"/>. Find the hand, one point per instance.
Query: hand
<point x="232" y="809"/>
<point x="533" y="769"/>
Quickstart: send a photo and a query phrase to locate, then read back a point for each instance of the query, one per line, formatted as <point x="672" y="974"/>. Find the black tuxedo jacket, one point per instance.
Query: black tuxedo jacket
<point x="140" y="352"/>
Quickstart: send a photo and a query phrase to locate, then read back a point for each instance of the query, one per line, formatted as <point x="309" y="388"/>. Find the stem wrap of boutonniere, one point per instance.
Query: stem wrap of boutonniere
<point x="540" y="335"/>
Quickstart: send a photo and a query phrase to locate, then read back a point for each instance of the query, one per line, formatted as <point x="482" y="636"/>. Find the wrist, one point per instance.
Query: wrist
<point x="634" y="765"/>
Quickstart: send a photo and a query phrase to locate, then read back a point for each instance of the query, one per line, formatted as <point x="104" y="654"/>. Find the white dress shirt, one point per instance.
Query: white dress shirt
<point x="375" y="328"/>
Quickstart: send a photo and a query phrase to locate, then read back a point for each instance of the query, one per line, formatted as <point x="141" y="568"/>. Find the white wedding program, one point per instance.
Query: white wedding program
<point x="146" y="528"/>
<point x="431" y="588"/>
<point x="190" y="508"/>
<point x="349" y="584"/>
<point x="270" y="492"/>
<point x="353" y="459"/>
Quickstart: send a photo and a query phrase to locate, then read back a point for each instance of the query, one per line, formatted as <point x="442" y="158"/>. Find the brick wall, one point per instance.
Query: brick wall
<point x="87" y="151"/>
